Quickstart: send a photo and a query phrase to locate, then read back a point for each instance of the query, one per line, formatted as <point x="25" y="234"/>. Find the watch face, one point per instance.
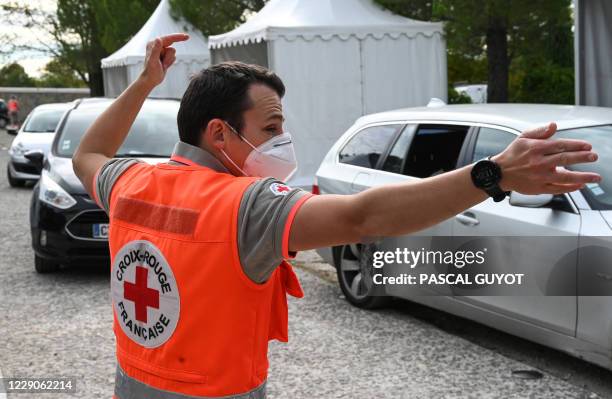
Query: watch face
<point x="485" y="174"/>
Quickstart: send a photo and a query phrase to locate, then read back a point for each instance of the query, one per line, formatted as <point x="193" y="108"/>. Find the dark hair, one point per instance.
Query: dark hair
<point x="221" y="91"/>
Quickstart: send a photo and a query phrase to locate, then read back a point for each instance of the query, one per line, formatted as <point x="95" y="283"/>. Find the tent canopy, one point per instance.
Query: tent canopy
<point x="160" y="23"/>
<point x="125" y="65"/>
<point x="339" y="59"/>
<point x="323" y="19"/>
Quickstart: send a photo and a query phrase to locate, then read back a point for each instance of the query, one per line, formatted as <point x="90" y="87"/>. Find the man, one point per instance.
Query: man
<point x="13" y="109"/>
<point x="198" y="244"/>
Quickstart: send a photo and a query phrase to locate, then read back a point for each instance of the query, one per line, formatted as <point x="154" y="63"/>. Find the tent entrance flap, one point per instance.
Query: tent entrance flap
<point x="252" y="53"/>
<point x="115" y="80"/>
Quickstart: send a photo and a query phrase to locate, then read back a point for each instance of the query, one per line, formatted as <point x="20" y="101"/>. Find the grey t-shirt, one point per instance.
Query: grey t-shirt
<point x="262" y="218"/>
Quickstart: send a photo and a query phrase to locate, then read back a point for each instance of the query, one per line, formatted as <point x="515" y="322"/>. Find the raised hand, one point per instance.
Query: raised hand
<point x="159" y="57"/>
<point x="533" y="164"/>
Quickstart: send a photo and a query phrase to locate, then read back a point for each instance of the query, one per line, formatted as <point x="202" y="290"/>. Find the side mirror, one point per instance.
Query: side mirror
<point x="36" y="157"/>
<point x="530" y="201"/>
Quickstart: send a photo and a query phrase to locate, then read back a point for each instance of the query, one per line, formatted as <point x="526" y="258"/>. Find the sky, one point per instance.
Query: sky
<point x="33" y="63"/>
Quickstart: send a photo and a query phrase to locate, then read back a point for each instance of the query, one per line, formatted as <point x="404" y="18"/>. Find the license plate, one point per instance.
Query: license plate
<point x="100" y="230"/>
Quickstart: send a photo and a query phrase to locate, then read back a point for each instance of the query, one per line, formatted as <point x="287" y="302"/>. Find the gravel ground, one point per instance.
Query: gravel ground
<point x="60" y="325"/>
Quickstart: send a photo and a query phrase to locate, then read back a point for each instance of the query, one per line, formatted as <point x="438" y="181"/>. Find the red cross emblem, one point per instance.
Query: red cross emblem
<point x="140" y="294"/>
<point x="279" y="189"/>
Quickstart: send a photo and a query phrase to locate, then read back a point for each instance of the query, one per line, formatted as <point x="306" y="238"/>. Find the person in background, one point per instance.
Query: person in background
<point x="13" y="110"/>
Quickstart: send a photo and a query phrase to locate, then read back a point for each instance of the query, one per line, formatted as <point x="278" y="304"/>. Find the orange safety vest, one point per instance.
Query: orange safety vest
<point x="13" y="106"/>
<point x="187" y="320"/>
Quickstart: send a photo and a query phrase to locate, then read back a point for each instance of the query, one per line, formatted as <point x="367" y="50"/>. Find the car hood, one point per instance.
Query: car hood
<point x="61" y="171"/>
<point x="34" y="141"/>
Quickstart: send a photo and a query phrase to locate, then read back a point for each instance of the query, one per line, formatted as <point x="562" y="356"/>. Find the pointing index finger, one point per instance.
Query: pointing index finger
<point x="173" y="38"/>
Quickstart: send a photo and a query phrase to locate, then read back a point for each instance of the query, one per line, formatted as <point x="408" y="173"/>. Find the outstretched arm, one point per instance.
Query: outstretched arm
<point x="107" y="133"/>
<point x="529" y="166"/>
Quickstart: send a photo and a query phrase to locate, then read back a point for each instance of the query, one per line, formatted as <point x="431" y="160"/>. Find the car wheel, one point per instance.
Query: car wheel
<point x="44" y="266"/>
<point x="354" y="270"/>
<point x="12" y="181"/>
<point x="2" y="123"/>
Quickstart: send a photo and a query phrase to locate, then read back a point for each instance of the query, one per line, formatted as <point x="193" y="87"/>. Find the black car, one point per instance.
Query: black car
<point x="67" y="226"/>
<point x="4" y="117"/>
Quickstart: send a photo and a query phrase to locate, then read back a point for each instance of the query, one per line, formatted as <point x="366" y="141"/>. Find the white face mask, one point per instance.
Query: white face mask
<point x="273" y="158"/>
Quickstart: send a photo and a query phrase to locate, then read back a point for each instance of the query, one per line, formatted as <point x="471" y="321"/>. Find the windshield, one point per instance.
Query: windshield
<point x="598" y="195"/>
<point x="153" y="134"/>
<point x="43" y="121"/>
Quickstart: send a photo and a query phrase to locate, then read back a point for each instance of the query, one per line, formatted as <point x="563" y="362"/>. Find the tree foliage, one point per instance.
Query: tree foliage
<point x="58" y="74"/>
<point x="502" y="42"/>
<point x="83" y="32"/>
<point x="80" y="32"/>
<point x="55" y="74"/>
<point x="523" y="49"/>
<point x="214" y="17"/>
<point x="13" y="75"/>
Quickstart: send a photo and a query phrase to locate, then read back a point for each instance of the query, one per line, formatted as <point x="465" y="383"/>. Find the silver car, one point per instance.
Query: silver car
<point x="575" y="313"/>
<point x="36" y="135"/>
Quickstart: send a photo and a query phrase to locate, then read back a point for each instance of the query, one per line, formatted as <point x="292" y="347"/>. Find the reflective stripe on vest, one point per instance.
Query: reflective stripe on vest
<point x="129" y="388"/>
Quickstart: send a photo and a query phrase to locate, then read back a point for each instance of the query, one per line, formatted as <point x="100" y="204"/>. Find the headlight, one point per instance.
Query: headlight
<point x="51" y="193"/>
<point x="17" y="150"/>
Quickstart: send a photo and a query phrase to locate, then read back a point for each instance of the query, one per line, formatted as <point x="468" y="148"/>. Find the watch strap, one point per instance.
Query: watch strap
<point x="495" y="191"/>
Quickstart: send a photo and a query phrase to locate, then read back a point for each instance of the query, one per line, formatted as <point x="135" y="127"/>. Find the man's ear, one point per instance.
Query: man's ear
<point x="214" y="134"/>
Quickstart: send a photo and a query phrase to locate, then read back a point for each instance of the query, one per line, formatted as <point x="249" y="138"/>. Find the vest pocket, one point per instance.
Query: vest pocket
<point x="159" y="371"/>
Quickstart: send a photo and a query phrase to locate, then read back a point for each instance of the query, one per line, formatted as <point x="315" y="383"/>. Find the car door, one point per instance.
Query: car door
<point x="539" y="242"/>
<point x="420" y="151"/>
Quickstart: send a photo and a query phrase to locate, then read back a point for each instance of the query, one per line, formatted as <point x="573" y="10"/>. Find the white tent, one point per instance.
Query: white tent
<point x="339" y="59"/>
<point x="593" y="49"/>
<point x="123" y="67"/>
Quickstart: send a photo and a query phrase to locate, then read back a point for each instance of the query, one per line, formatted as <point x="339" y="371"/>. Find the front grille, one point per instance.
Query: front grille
<point x="101" y="252"/>
<point x="81" y="226"/>
<point x="24" y="168"/>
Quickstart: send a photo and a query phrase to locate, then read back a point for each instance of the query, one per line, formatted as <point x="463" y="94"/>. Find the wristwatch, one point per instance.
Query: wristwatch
<point x="486" y="175"/>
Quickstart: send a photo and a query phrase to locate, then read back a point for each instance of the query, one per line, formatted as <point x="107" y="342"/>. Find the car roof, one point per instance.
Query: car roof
<point x="514" y="116"/>
<point x="52" y="106"/>
<point x="91" y="103"/>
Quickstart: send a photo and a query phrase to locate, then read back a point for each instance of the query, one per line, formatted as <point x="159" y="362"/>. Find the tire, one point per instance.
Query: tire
<point x="12" y="181"/>
<point x="354" y="266"/>
<point x="44" y="266"/>
<point x="2" y="123"/>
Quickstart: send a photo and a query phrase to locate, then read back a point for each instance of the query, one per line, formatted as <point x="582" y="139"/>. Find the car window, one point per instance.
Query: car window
<point x="43" y="121"/>
<point x="366" y="147"/>
<point x="153" y="134"/>
<point x="434" y="150"/>
<point x="491" y="142"/>
<point x="397" y="156"/>
<point x="598" y="195"/>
